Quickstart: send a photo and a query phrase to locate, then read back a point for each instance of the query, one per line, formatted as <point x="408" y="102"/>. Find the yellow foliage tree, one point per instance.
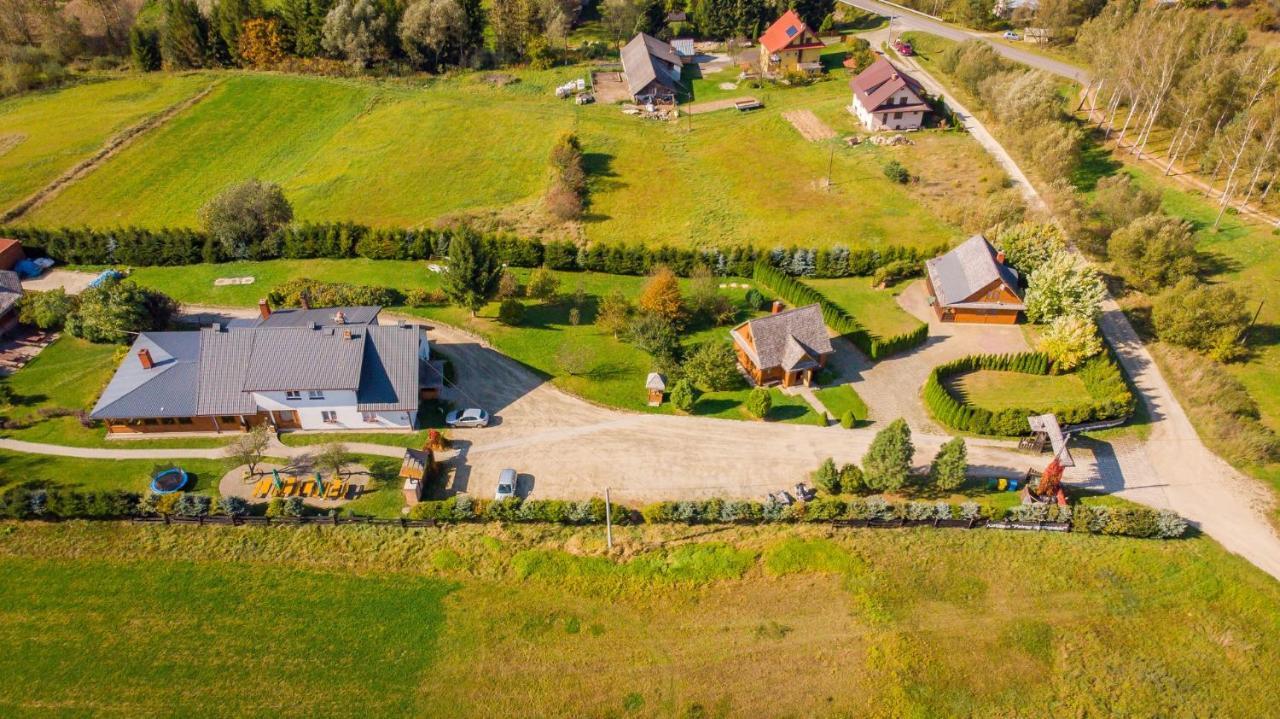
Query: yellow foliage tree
<point x="661" y="295"/>
<point x="261" y="45"/>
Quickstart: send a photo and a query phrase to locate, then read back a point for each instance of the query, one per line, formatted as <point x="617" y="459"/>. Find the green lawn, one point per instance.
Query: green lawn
<point x="877" y="310"/>
<point x="70" y="374"/>
<point x="96" y="475"/>
<point x="408" y="153"/>
<point x="841" y="399"/>
<point x="995" y="391"/>
<point x="43" y="134"/>
<point x="132" y="620"/>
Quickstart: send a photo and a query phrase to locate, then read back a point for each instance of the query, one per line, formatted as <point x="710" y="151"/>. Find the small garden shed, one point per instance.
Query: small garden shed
<point x="656" y="384"/>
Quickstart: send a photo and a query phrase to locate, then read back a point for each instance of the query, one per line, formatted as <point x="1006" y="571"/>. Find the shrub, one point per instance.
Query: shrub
<point x="713" y="367"/>
<point x="847" y="420"/>
<point x="755" y="300"/>
<point x="1028" y="245"/>
<point x="683" y="396"/>
<point x="1068" y="341"/>
<point x="233" y="506"/>
<point x="115" y="311"/>
<point x="827" y="477"/>
<point x="896" y="172"/>
<point x="661" y="296"/>
<point x="46" y="310"/>
<point x="888" y="459"/>
<point x="1063" y="285"/>
<point x="285" y="507"/>
<point x="192" y="505"/>
<point x="1205" y="318"/>
<point x="920" y="510"/>
<point x="851" y="479"/>
<point x="511" y="312"/>
<point x="543" y="284"/>
<point x="948" y="467"/>
<point x="759" y="402"/>
<point x="1153" y="252"/>
<point x="894" y="272"/>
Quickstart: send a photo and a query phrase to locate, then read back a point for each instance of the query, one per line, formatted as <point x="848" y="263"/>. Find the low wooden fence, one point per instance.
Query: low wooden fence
<point x="222" y="519"/>
<point x="952" y="523"/>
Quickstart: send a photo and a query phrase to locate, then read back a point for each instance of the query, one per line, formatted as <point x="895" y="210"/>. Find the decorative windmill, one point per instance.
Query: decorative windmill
<point x="1046" y="429"/>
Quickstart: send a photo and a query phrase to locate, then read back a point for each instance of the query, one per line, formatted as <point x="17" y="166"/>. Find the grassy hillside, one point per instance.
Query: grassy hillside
<point x="44" y="134"/>
<point x="538" y="621"/>
<point x="397" y="154"/>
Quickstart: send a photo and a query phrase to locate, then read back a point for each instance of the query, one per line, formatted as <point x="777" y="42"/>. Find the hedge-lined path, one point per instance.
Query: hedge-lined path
<point x="891" y="388"/>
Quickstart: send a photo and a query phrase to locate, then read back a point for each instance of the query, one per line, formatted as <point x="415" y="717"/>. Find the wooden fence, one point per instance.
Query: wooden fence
<point x="222" y="519"/>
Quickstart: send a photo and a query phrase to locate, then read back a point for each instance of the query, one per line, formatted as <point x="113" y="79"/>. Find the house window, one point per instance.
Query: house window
<point x="293" y="394"/>
<point x="168" y="420"/>
<point x="897" y="115"/>
<point x="329" y="416"/>
<point x="369" y="416"/>
<point x="228" y="419"/>
<point x="150" y="422"/>
<point x="315" y="394"/>
<point x="184" y="420"/>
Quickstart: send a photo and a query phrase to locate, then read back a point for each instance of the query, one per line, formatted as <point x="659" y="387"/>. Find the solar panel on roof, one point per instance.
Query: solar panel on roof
<point x="791" y="31"/>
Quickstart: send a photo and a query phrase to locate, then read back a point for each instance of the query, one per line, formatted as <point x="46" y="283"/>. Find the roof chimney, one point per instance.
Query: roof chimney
<point x="1000" y="257"/>
<point x="264" y="309"/>
<point x="346" y="334"/>
<point x="306" y="301"/>
<point x="339" y="318"/>
<point x="777" y="307"/>
<point x="144" y="356"/>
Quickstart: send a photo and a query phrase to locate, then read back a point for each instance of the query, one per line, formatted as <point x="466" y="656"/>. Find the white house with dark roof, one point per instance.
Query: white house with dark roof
<point x="785" y="347"/>
<point x="885" y="98"/>
<point x="10" y="293"/>
<point x="972" y="283"/>
<point x="292" y="369"/>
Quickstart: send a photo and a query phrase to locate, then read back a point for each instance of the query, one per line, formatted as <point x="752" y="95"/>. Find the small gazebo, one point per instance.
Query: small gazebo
<point x="657" y="385"/>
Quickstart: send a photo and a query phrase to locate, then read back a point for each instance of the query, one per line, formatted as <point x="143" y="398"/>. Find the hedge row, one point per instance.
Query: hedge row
<point x="53" y="503"/>
<point x="798" y="294"/>
<point x="1110" y="397"/>
<point x="183" y="246"/>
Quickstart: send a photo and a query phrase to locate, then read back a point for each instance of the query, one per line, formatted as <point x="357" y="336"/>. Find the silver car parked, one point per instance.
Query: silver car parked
<point x="467" y="418"/>
<point x="506" y="485"/>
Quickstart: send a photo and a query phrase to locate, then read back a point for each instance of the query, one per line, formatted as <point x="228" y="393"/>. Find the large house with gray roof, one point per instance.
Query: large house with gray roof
<point x="315" y="369"/>
<point x="785" y="347"/>
<point x="652" y="69"/>
<point x="972" y="283"/>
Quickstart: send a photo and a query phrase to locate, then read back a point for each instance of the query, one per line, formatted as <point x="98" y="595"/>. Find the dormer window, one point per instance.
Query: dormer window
<point x="315" y="394"/>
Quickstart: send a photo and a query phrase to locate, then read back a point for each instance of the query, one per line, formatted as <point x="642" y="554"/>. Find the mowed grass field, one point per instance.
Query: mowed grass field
<point x="539" y="621"/>
<point x="397" y="154"/>
<point x="44" y="134"/>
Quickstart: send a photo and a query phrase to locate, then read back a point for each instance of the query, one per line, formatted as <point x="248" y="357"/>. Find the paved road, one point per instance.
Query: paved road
<point x="907" y="19"/>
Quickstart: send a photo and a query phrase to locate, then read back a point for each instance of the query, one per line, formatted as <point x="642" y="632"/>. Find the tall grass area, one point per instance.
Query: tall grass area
<point x="537" y="621"/>
<point x="398" y="154"/>
<point x="43" y="134"/>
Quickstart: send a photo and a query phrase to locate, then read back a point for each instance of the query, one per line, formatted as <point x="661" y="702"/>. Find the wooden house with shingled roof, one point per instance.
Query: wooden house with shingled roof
<point x="972" y="283"/>
<point x="786" y="347"/>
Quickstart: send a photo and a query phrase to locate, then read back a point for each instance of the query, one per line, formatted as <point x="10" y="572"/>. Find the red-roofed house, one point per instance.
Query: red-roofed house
<point x="885" y="98"/>
<point x="788" y="46"/>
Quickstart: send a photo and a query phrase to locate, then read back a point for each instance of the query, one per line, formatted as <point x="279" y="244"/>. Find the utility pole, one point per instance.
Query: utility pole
<point x="608" y="519"/>
<point x="1244" y="336"/>
<point x="830" y="160"/>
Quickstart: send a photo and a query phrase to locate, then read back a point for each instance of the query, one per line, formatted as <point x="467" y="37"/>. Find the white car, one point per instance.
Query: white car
<point x="467" y="418"/>
<point x="506" y="485"/>
<point x="1011" y="35"/>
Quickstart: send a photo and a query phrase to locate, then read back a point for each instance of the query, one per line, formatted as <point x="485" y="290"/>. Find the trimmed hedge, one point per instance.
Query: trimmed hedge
<point x="798" y="294"/>
<point x="1110" y="394"/>
<point x="141" y="247"/>
<point x="55" y="503"/>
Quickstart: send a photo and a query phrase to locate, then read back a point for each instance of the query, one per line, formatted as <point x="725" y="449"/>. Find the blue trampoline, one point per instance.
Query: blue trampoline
<point x="169" y="481"/>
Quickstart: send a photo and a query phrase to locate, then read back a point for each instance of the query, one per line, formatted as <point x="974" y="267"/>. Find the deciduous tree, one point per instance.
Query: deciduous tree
<point x="244" y="214"/>
<point x="356" y="30"/>
<point x="1206" y="318"/>
<point x="1153" y="252"/>
<point x="1064" y="286"/>
<point x="1070" y="340"/>
<point x="661" y="296"/>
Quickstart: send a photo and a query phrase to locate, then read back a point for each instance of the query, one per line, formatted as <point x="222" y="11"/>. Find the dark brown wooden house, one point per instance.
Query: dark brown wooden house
<point x="784" y="348"/>
<point x="972" y="283"/>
